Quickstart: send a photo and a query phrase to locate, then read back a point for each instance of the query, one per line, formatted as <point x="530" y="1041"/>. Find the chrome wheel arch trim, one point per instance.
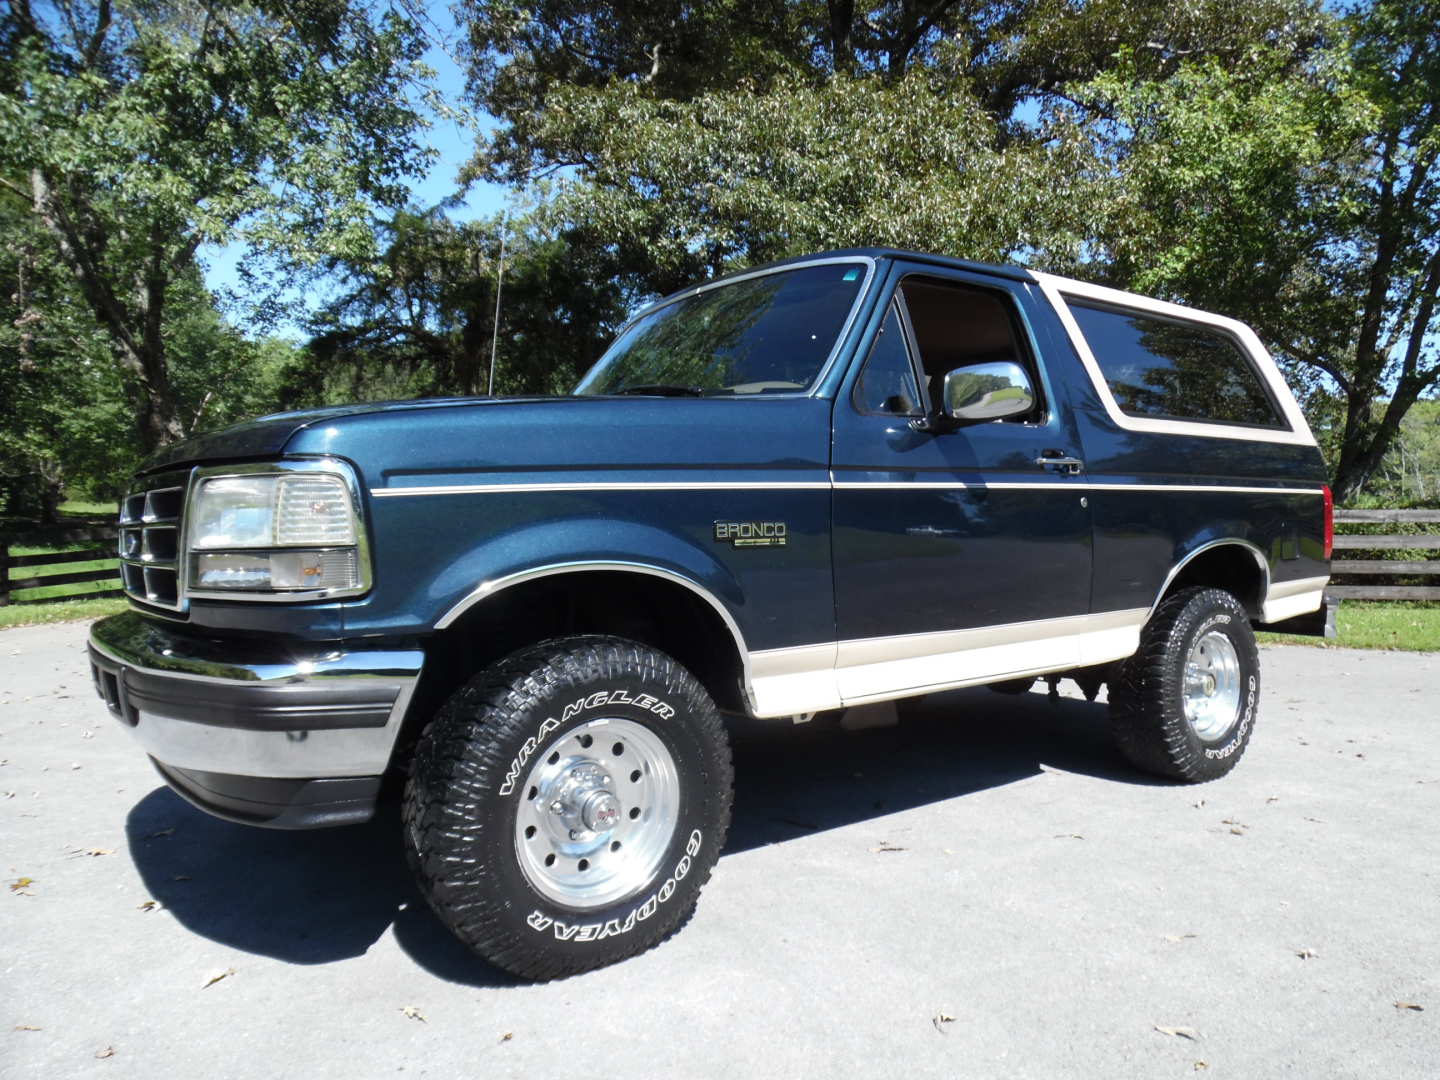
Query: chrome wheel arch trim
<point x="1260" y="561"/>
<point x="489" y="588"/>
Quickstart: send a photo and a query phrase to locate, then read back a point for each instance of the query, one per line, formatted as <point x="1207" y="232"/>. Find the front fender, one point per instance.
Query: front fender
<point x="577" y="545"/>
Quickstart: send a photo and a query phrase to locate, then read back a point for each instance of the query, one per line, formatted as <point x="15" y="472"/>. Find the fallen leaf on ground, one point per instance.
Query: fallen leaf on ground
<point x="160" y="832"/>
<point x="21" y="883"/>
<point x="413" y="1013"/>
<point x="109" y="1051"/>
<point x="1272" y="798"/>
<point x="1178" y="937"/>
<point x="33" y="1027"/>
<point x="1201" y="1065"/>
<point x="94" y="851"/>
<point x="1316" y="820"/>
<point x="940" y="1019"/>
<point x="180" y="877"/>
<point x="1306" y="954"/>
<point x="216" y="975"/>
<point x="1179" y="1032"/>
<point x="885" y="845"/>
<point x="1237" y="832"/>
<point x="507" y="1036"/>
<point x="149" y="905"/>
<point x="1068" y="836"/>
<point x="1409" y="1005"/>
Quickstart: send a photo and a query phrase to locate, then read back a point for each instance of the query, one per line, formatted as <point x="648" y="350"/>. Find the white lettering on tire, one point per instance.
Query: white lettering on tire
<point x="1245" y="718"/>
<point x="563" y="931"/>
<point x="597" y="700"/>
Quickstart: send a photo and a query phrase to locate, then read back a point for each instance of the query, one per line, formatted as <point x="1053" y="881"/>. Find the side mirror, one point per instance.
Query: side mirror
<point x="987" y="392"/>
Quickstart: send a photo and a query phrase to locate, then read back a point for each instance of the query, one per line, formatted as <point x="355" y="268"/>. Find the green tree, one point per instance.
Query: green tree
<point x="696" y="138"/>
<point x="680" y="190"/>
<point x="1302" y="195"/>
<point x="61" y="405"/>
<point x="137" y="130"/>
<point x="420" y="320"/>
<point x="67" y="421"/>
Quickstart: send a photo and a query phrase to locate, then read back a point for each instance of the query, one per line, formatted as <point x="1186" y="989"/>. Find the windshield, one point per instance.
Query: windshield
<point x="761" y="335"/>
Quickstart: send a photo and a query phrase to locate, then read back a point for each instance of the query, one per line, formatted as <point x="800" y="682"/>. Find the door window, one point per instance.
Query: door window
<point x="932" y="327"/>
<point x="956" y="325"/>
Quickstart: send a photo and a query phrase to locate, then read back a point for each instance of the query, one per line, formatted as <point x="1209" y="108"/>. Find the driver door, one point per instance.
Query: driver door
<point x="959" y="556"/>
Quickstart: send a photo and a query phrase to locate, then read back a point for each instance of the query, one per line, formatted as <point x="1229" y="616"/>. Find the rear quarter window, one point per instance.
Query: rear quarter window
<point x="1171" y="369"/>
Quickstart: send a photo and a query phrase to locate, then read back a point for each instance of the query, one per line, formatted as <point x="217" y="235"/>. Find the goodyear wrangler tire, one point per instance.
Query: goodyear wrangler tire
<point x="566" y="806"/>
<point x="1184" y="705"/>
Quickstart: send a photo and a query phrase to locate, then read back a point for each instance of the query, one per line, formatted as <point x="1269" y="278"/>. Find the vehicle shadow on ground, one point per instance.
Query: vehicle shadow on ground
<point x="793" y="781"/>
<point x="316" y="897"/>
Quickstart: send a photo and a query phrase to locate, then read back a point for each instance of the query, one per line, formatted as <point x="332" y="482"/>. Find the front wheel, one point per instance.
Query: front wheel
<point x="1184" y="705"/>
<point x="566" y="806"/>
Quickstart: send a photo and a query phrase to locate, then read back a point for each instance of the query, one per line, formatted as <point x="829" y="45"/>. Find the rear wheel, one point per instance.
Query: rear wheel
<point x="567" y="805"/>
<point x="1184" y="705"/>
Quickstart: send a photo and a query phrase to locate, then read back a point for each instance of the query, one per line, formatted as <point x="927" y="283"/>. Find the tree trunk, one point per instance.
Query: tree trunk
<point x="842" y="24"/>
<point x="1366" y="441"/>
<point x="134" y="329"/>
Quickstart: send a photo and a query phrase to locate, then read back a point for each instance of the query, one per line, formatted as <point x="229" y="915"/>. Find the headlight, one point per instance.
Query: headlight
<point x="274" y="532"/>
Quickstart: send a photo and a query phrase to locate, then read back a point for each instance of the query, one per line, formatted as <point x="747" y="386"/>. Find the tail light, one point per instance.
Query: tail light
<point x="1329" y="521"/>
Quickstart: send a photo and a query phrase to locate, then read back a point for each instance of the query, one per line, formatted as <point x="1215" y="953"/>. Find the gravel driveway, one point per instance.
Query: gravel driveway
<point x="982" y="891"/>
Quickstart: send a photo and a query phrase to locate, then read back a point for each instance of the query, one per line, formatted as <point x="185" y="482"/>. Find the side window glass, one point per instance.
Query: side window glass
<point x="887" y="385"/>
<point x="1168" y="369"/>
<point x="956" y="325"/>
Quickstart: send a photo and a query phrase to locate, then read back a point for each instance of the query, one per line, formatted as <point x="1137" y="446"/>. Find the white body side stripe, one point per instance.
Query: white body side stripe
<point x="824" y="485"/>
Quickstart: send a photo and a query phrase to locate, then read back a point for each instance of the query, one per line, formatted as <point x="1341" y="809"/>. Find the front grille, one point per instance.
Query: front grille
<point x="151" y="532"/>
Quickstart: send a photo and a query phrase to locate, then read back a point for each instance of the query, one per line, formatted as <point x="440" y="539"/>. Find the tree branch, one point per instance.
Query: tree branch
<point x="97" y="39"/>
<point x="1305" y="356"/>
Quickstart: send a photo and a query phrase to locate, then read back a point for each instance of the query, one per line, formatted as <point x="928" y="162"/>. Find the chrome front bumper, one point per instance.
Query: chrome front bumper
<point x="212" y="713"/>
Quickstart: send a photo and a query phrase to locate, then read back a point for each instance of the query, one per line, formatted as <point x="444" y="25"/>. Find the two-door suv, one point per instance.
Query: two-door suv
<point x="848" y="478"/>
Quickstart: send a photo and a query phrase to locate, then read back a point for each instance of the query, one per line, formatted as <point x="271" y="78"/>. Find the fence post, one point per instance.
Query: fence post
<point x="4" y="572"/>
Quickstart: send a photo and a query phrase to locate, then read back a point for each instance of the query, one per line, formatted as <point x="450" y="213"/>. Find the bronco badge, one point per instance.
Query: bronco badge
<point x="751" y="533"/>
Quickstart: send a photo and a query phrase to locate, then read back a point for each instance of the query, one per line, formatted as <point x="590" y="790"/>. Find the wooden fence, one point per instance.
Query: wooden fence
<point x="1368" y="569"/>
<point x="17" y="572"/>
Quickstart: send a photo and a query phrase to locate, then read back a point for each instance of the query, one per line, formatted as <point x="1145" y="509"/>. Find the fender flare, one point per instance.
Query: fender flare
<point x="1260" y="561"/>
<point x="491" y="587"/>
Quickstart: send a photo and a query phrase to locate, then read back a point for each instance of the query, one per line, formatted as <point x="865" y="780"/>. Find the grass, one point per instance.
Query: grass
<point x="81" y="508"/>
<point x="1361" y="625"/>
<point x="66" y="611"/>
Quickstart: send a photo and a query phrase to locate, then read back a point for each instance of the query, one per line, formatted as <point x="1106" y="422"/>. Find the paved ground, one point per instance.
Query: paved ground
<point x="984" y="891"/>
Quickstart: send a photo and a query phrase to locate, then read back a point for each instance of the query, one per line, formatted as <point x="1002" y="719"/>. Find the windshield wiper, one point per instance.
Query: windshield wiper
<point x="664" y="390"/>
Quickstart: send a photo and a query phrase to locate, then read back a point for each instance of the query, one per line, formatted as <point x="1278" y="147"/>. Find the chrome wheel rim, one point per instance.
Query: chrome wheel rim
<point x="1212" y="685"/>
<point x="597" y="813"/>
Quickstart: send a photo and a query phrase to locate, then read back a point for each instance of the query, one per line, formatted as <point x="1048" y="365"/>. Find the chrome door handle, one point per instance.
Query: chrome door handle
<point x="1069" y="466"/>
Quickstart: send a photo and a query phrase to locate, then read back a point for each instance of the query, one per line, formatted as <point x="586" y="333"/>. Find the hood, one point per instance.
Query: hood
<point x="267" y="436"/>
<point x="429" y="443"/>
